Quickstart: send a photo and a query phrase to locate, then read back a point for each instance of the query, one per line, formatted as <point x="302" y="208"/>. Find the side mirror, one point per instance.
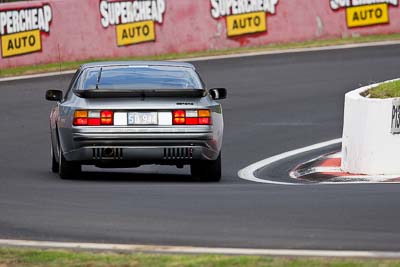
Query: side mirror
<point x="54" y="95"/>
<point x="218" y="93"/>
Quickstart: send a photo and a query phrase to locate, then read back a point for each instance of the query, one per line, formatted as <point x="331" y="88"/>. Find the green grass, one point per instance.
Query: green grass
<point x="10" y="257"/>
<point x="386" y="90"/>
<point x="272" y="47"/>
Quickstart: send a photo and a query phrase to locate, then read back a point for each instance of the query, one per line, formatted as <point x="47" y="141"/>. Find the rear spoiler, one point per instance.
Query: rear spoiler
<point x="110" y="93"/>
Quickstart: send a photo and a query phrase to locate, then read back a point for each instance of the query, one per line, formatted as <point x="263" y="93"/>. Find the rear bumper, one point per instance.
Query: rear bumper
<point x="143" y="145"/>
<point x="132" y="134"/>
<point x="141" y="154"/>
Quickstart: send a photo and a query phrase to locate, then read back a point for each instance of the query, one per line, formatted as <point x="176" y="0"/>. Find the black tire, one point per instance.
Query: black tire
<point x="68" y="170"/>
<point x="54" y="163"/>
<point x="207" y="170"/>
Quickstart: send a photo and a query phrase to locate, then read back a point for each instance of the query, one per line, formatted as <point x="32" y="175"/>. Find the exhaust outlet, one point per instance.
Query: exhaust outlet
<point x="108" y="152"/>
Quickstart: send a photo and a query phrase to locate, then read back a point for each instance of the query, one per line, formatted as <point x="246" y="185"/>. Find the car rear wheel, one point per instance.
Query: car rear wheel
<point x="54" y="163"/>
<point x="67" y="169"/>
<point x="207" y="170"/>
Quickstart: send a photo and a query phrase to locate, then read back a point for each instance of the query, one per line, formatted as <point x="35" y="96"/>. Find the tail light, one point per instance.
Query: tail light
<point x="93" y="118"/>
<point x="192" y="117"/>
<point x="80" y="118"/>
<point x="106" y="117"/>
<point x="205" y="117"/>
<point x="205" y="121"/>
<point x="179" y="117"/>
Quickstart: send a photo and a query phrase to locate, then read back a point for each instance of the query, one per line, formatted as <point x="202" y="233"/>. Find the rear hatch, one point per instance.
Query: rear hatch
<point x="140" y="112"/>
<point x="141" y="95"/>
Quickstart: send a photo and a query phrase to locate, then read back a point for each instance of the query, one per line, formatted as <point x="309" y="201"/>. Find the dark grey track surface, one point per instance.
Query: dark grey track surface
<point x="276" y="103"/>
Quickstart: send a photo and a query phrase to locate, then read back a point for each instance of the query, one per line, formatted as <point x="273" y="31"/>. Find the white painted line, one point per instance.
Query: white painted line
<point x="358" y="182"/>
<point x="39" y="75"/>
<point x="248" y="172"/>
<point x="200" y="250"/>
<point x="293" y="50"/>
<point x="237" y="55"/>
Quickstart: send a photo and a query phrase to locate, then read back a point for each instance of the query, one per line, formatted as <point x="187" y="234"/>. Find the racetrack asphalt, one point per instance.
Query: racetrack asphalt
<point x="276" y="103"/>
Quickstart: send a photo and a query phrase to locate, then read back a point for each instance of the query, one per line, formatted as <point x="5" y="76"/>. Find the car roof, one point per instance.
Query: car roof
<point x="137" y="63"/>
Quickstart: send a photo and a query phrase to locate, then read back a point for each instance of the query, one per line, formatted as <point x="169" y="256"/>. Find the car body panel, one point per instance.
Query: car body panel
<point x="157" y="144"/>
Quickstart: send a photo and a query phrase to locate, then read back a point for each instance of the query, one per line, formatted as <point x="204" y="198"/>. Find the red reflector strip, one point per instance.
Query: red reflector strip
<point x="205" y="121"/>
<point x="192" y="121"/>
<point x="94" y="121"/>
<point x="80" y="121"/>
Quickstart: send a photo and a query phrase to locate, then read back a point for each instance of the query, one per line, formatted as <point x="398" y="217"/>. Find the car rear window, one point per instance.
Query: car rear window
<point x="138" y="77"/>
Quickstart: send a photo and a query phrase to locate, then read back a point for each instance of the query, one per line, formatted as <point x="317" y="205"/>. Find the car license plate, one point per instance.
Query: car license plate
<point x="142" y="118"/>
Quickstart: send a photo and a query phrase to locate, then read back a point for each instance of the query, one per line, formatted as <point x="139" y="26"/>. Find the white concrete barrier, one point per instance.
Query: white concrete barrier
<point x="369" y="146"/>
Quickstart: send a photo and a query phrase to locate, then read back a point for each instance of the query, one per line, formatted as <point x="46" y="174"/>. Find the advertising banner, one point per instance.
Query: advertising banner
<point x="134" y="21"/>
<point x="51" y="31"/>
<point x="242" y="16"/>
<point x="21" y="29"/>
<point x="361" y="13"/>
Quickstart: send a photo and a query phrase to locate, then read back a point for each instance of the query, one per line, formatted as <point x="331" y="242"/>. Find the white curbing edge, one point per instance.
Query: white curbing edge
<point x="200" y="250"/>
<point x="248" y="173"/>
<point x="368" y="145"/>
<point x="238" y="55"/>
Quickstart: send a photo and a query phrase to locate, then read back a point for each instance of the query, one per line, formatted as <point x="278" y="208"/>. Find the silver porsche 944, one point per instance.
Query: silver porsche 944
<point x="128" y="114"/>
